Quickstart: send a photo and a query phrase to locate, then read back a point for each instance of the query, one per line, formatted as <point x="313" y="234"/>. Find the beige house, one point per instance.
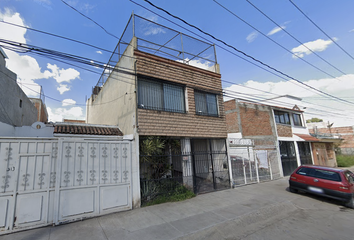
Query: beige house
<point x="166" y="86"/>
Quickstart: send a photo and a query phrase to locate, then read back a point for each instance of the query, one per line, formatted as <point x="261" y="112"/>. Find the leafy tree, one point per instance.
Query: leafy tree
<point x="314" y="120"/>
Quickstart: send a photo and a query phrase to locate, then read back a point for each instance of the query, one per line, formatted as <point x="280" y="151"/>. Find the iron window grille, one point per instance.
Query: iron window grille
<point x="206" y="104"/>
<point x="281" y="117"/>
<point x="160" y="96"/>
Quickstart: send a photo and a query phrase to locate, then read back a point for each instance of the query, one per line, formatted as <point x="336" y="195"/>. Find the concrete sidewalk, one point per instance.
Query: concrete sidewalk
<point x="229" y="214"/>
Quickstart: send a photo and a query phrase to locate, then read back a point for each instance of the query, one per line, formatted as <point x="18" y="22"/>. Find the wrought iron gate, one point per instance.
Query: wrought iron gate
<point x="288" y="157"/>
<point x="210" y="166"/>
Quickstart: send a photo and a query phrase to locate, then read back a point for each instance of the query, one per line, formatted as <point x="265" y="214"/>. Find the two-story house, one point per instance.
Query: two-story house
<point x="164" y="89"/>
<point x="282" y="128"/>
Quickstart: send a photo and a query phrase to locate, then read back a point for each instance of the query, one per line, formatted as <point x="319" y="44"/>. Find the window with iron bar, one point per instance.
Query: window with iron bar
<point x="160" y="96"/>
<point x="206" y="104"/>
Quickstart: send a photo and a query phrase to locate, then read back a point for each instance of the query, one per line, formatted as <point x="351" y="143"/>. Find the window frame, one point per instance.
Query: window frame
<point x="278" y="119"/>
<point x="162" y="87"/>
<point x="300" y="124"/>
<point x="206" y="103"/>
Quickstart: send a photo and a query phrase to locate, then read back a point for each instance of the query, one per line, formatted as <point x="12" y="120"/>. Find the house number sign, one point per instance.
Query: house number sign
<point x="10" y="169"/>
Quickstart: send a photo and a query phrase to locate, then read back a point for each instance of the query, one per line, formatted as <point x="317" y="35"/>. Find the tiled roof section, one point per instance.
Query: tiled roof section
<point x="308" y="138"/>
<point x="87" y="130"/>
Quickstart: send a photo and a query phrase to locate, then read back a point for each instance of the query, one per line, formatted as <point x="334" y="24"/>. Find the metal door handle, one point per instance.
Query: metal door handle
<point x="315" y="180"/>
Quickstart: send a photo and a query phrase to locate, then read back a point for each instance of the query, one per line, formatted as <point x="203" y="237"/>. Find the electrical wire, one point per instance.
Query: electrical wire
<point x="240" y="93"/>
<point x="253" y="58"/>
<point x="263" y="34"/>
<point x="89" y="19"/>
<point x="321" y="29"/>
<point x="293" y="37"/>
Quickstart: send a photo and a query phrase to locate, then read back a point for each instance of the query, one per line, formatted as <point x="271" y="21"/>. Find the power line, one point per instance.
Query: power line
<point x="115" y="69"/>
<point x="321" y="29"/>
<point x="254" y="59"/>
<point x="295" y="38"/>
<point x="89" y="19"/>
<point x="234" y="14"/>
<point x="58" y="36"/>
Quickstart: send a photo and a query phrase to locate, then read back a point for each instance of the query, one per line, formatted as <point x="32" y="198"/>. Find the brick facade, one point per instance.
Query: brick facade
<point x="161" y="123"/>
<point x="255" y="120"/>
<point x="345" y="133"/>
<point x="284" y="130"/>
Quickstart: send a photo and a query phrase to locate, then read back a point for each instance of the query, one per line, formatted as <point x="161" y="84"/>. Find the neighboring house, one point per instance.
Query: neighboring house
<point x="16" y="108"/>
<point x="279" y="128"/>
<point x="166" y="88"/>
<point x="42" y="114"/>
<point x="62" y="172"/>
<point x="73" y="121"/>
<point x="346" y="134"/>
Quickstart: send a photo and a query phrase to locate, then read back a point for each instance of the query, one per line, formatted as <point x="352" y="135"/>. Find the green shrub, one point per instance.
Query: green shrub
<point x="345" y="160"/>
<point x="179" y="193"/>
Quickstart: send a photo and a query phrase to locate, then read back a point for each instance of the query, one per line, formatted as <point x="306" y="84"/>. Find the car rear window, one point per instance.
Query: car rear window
<point x="328" y="175"/>
<point x="306" y="171"/>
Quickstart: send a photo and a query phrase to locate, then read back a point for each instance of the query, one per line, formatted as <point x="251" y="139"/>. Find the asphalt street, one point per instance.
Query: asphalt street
<point x="258" y="211"/>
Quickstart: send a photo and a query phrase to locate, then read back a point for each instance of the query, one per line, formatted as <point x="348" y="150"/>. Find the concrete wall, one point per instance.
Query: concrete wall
<point x="115" y="104"/>
<point x="10" y="97"/>
<point x="189" y="124"/>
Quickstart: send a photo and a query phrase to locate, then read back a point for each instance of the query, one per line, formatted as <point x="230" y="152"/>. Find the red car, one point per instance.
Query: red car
<point x="324" y="181"/>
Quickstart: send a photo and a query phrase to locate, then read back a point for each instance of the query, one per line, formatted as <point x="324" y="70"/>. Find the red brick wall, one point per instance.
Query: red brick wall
<point x="160" y="123"/>
<point x="284" y="131"/>
<point x="255" y="120"/>
<point x="346" y="133"/>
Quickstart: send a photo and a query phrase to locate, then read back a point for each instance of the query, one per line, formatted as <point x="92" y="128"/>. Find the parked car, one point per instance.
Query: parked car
<point x="324" y="181"/>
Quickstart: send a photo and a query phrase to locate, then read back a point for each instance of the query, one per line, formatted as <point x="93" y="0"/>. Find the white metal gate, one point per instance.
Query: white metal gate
<point x="52" y="181"/>
<point x="249" y="165"/>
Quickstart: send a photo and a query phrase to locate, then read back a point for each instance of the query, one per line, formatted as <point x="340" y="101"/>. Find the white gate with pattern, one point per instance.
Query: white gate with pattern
<point x="52" y="181"/>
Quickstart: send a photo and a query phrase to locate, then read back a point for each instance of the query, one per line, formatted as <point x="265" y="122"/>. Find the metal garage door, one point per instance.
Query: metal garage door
<point x="47" y="182"/>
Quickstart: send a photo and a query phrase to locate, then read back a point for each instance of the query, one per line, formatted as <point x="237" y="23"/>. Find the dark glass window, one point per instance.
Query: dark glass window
<point x="328" y="175"/>
<point x="160" y="96"/>
<point x="297" y="119"/>
<point x="306" y="171"/>
<point x="206" y="104"/>
<point x="281" y="117"/>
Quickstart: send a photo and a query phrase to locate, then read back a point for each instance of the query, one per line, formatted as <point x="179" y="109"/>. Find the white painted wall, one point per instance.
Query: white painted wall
<point x="115" y="104"/>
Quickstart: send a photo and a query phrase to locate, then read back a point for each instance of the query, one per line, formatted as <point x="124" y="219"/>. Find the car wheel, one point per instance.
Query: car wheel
<point x="350" y="204"/>
<point x="293" y="190"/>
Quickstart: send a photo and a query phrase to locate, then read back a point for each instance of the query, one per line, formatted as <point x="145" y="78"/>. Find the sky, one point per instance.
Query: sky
<point x="275" y="33"/>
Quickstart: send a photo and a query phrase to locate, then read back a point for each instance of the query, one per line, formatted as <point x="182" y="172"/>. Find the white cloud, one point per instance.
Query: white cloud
<point x="252" y="36"/>
<point x="27" y="67"/>
<point x="351" y="30"/>
<point x="58" y="114"/>
<point x="62" y="75"/>
<point x="63" y="88"/>
<point x="99" y="52"/>
<point x="153" y="31"/>
<point x="68" y="102"/>
<point x="316" y="105"/>
<point x="318" y="45"/>
<point x="275" y="30"/>
<point x="198" y="63"/>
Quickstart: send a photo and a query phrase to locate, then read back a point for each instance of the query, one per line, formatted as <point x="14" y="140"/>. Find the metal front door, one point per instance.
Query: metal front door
<point x="304" y="152"/>
<point x="288" y="157"/>
<point x="210" y="167"/>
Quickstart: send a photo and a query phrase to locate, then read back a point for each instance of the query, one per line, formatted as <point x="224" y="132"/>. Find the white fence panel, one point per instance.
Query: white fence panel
<point x="52" y="181"/>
